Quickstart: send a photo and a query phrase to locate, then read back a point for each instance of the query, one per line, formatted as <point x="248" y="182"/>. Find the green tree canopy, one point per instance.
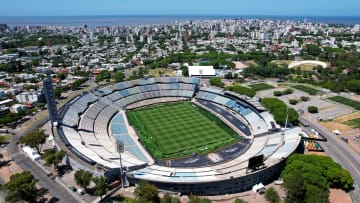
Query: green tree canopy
<point x="147" y="193"/>
<point x="237" y="200"/>
<point x="34" y="139"/>
<point x="167" y="198"/>
<point x="278" y="109"/>
<point x="100" y="186"/>
<point x="118" y="76"/>
<point x="196" y="199"/>
<point x="308" y="177"/>
<point x="271" y="195"/>
<point x="83" y="178"/>
<point x="54" y="157"/>
<point x="216" y="81"/>
<point x="313" y="109"/>
<point x="22" y="186"/>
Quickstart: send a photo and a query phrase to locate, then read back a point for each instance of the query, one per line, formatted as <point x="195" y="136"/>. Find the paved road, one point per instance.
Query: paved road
<point x="338" y="150"/>
<point x="27" y="164"/>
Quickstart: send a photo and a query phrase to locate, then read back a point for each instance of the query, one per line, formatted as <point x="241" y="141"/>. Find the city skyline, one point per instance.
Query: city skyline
<point x="177" y="7"/>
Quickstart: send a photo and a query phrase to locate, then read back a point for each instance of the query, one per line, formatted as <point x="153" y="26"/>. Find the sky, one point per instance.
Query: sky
<point x="180" y="7"/>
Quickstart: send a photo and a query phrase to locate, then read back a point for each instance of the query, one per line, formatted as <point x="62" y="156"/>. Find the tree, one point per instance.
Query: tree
<point x="304" y="99"/>
<point x="167" y="198"/>
<point x="118" y="76"/>
<point x="100" y="186"/>
<point x="77" y="83"/>
<point x="307" y="178"/>
<point x="83" y="178"/>
<point x="216" y="81"/>
<point x="279" y="109"/>
<point x="34" y="139"/>
<point x="146" y="193"/>
<point x="293" y="101"/>
<point x="54" y="157"/>
<point x="271" y="195"/>
<point x="229" y="75"/>
<point x="196" y="199"/>
<point x="237" y="200"/>
<point x="22" y="186"/>
<point x="58" y="91"/>
<point x="313" y="109"/>
<point x="295" y="188"/>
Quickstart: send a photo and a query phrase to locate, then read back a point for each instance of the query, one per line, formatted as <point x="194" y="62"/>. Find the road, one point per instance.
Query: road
<point x="338" y="150"/>
<point x="55" y="190"/>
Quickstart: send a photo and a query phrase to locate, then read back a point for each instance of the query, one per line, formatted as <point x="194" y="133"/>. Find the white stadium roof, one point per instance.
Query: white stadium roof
<point x="201" y="71"/>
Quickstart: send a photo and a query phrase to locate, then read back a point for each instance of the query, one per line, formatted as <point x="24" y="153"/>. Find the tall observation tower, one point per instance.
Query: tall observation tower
<point x="50" y="99"/>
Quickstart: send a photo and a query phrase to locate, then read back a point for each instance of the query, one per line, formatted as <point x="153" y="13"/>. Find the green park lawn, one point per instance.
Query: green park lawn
<point x="261" y="86"/>
<point x="306" y="89"/>
<point x="346" y="101"/>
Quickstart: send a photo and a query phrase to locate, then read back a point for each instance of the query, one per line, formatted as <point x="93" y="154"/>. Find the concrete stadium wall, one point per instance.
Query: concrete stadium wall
<point x="229" y="186"/>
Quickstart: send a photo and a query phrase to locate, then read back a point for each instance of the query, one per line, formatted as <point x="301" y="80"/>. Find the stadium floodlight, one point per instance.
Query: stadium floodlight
<point x="120" y="149"/>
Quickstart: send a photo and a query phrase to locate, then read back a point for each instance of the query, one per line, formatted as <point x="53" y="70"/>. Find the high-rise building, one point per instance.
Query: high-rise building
<point x="50" y="99"/>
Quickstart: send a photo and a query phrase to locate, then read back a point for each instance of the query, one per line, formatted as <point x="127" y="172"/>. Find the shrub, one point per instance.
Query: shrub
<point x="304" y="99"/>
<point x="216" y="81"/>
<point x="271" y="195"/>
<point x="278" y="93"/>
<point x="313" y="109"/>
<point x="293" y="101"/>
<point x="288" y="91"/>
<point x="285" y="92"/>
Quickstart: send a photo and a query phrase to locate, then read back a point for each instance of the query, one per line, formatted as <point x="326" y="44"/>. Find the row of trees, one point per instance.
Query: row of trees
<point x="279" y="109"/>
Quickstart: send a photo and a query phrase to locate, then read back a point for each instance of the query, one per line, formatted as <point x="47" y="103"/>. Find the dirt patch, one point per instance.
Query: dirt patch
<point x="9" y="168"/>
<point x="338" y="123"/>
<point x="345" y="130"/>
<point x="337" y="195"/>
<point x="317" y="153"/>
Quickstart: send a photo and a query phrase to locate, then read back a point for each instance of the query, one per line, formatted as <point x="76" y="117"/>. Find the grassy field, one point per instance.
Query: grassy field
<point x="346" y="101"/>
<point x="179" y="129"/>
<point x="354" y="123"/>
<point x="261" y="86"/>
<point x="306" y="89"/>
<point x="158" y="72"/>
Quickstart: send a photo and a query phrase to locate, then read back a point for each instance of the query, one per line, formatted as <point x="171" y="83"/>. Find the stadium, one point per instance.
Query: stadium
<point x="176" y="133"/>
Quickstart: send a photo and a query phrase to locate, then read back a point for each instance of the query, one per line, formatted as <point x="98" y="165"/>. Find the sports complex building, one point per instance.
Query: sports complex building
<point x="177" y="134"/>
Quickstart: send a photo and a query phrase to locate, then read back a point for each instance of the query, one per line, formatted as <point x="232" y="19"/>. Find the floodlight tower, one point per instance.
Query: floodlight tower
<point x="120" y="149"/>
<point x="50" y="99"/>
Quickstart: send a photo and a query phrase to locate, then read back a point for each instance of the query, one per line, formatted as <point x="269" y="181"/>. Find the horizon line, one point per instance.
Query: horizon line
<point x="180" y="15"/>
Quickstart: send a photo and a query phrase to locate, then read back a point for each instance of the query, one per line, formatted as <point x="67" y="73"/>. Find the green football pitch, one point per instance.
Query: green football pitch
<point x="179" y="129"/>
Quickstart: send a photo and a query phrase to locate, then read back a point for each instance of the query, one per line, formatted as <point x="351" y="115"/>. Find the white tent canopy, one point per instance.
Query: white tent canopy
<point x="31" y="153"/>
<point x="258" y="188"/>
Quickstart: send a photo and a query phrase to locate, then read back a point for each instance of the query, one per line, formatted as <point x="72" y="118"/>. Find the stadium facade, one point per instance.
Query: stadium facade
<point x="92" y="123"/>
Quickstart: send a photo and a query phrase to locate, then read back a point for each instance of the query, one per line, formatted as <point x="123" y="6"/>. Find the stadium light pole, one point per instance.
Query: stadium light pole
<point x="120" y="148"/>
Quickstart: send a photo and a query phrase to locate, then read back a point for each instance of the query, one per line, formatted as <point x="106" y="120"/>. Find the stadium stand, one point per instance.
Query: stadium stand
<point x="94" y="122"/>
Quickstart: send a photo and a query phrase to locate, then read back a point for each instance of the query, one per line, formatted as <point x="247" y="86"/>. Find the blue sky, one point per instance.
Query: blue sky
<point x="180" y="7"/>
